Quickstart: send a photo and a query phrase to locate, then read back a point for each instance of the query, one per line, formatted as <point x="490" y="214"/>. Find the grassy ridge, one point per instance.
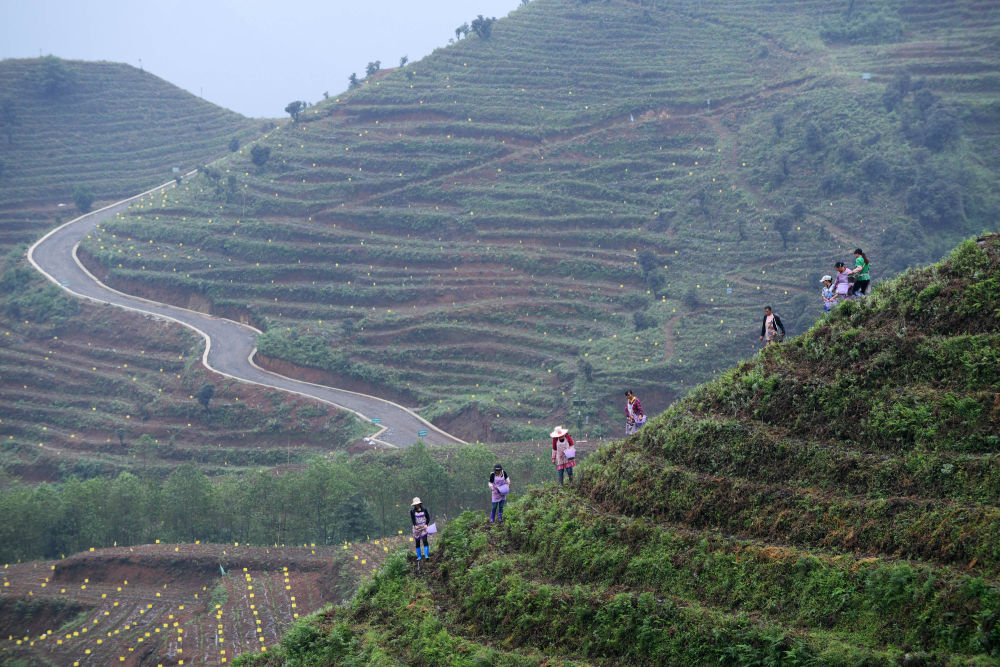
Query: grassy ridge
<point x="108" y="126"/>
<point x="598" y="195"/>
<point x="745" y="525"/>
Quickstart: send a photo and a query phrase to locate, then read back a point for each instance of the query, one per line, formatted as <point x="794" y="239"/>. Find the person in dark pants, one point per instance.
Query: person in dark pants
<point x="861" y="276"/>
<point x="563" y="453"/>
<point x="770" y="326"/>
<point x="420" y="517"/>
<point x="499" y="488"/>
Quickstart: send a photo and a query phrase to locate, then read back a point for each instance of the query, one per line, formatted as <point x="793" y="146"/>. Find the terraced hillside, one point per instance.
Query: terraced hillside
<point x="89" y="390"/>
<point x="832" y="501"/>
<point x="104" y="391"/>
<point x="110" y="127"/>
<point x="171" y="604"/>
<point x="599" y="195"/>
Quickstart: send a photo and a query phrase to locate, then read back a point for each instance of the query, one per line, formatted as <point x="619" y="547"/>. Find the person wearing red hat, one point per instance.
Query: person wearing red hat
<point x="563" y="452"/>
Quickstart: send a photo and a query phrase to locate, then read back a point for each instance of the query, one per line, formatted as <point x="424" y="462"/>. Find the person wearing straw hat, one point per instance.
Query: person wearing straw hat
<point x="563" y="452"/>
<point x="499" y="488"/>
<point x="421" y="518"/>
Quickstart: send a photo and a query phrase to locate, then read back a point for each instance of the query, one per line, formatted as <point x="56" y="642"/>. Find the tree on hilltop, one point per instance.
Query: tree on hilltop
<point x="9" y="118"/>
<point x="461" y="31"/>
<point x="294" y="109"/>
<point x="373" y="67"/>
<point x="403" y="60"/>
<point x="54" y="78"/>
<point x="353" y="80"/>
<point x="483" y="26"/>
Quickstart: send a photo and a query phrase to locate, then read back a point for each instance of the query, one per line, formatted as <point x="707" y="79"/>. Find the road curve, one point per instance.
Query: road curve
<point x="229" y="345"/>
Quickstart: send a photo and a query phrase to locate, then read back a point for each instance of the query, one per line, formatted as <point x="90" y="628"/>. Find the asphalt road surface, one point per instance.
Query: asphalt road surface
<point x="229" y="345"/>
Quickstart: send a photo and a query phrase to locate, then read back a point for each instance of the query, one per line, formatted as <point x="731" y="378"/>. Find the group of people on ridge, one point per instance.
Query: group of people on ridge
<point x="563" y="457"/>
<point x="846" y="283"/>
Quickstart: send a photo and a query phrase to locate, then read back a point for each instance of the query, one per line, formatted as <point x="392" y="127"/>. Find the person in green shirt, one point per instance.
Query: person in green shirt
<point x="861" y="276"/>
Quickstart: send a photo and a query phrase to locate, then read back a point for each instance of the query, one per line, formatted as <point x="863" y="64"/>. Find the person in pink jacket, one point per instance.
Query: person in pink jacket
<point x="563" y="452"/>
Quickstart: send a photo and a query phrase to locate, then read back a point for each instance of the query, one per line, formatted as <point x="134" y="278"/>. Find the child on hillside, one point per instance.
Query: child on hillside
<point x="499" y="488"/>
<point x="829" y="296"/>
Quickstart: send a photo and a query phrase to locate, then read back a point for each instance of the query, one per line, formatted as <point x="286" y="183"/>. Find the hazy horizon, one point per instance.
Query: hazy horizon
<point x="251" y="56"/>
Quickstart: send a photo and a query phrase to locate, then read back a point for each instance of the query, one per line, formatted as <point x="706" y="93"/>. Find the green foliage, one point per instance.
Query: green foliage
<point x="54" y="77"/>
<point x="875" y="22"/>
<point x="259" y="154"/>
<point x="9" y="119"/>
<point x="294" y="109"/>
<point x="41" y="304"/>
<point x="205" y="394"/>
<point x="329" y="501"/>
<point x="483" y="27"/>
<point x="83" y="197"/>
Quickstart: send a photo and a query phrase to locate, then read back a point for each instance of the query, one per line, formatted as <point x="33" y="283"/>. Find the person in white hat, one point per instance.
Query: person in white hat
<point x="563" y="452"/>
<point x="829" y="296"/>
<point x="421" y="518"/>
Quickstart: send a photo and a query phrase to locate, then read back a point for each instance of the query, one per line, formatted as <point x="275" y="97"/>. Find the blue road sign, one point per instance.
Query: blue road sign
<point x="376" y="420"/>
<point x="421" y="433"/>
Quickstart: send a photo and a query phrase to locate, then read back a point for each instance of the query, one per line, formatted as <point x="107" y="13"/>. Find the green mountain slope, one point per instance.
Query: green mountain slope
<point x="87" y="390"/>
<point x="599" y="195"/>
<point x="108" y="126"/>
<point x="832" y="501"/>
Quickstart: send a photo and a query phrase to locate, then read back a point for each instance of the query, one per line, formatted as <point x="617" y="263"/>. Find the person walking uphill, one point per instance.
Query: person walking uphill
<point x="420" y="518"/>
<point x="769" y="327"/>
<point x="635" y="417"/>
<point x="861" y="276"/>
<point x="563" y="452"/>
<point x="499" y="488"/>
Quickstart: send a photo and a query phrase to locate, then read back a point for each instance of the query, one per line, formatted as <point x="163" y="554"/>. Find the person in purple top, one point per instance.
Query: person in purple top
<point x="499" y="488"/>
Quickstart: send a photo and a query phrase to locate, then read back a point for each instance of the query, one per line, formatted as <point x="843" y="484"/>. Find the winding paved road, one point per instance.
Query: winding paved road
<point x="229" y="345"/>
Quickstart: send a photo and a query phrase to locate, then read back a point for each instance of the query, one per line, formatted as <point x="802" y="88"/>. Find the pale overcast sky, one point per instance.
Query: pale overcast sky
<point x="251" y="56"/>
